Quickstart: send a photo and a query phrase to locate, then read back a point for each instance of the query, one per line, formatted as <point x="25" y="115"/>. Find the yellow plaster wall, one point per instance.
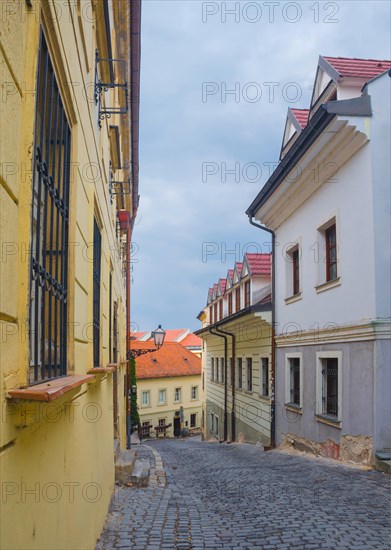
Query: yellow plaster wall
<point x="155" y="411"/>
<point x="63" y="451"/>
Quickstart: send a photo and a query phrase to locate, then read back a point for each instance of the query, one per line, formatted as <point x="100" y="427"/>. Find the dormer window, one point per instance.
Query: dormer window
<point x="221" y="309"/>
<point x="237" y="299"/>
<point x="247" y="294"/>
<point x="230" y="303"/>
<point x="211" y="314"/>
<point x="215" y="312"/>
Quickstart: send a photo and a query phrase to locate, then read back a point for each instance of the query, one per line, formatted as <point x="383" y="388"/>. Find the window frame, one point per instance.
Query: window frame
<point x="240" y="373"/>
<point x="195" y="397"/>
<point x="212" y="369"/>
<point x="193" y="415"/>
<point x="288" y="380"/>
<point x="230" y="303"/>
<point x="179" y="389"/>
<point x="237" y="299"/>
<point x="247" y="294"/>
<point x="165" y="396"/>
<point x="147" y="393"/>
<point x="262" y="377"/>
<point x="331" y="247"/>
<point x="249" y="374"/>
<point x="320" y="356"/>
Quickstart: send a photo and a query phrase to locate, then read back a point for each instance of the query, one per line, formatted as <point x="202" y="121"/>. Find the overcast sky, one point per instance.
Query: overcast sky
<point x="192" y="225"/>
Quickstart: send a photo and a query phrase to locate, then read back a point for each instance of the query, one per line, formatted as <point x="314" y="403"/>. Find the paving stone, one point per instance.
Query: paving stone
<point x="215" y="496"/>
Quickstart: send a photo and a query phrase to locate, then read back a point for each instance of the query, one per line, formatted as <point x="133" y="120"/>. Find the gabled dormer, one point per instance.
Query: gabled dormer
<point x="340" y="78"/>
<point x="237" y="273"/>
<point x="215" y="290"/>
<point x="229" y="279"/>
<point x="210" y="296"/>
<point x="222" y="284"/>
<point x="296" y="121"/>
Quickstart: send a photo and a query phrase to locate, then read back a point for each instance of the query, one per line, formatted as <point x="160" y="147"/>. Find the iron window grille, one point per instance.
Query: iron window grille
<point x="294" y="380"/>
<point x="105" y="111"/>
<point x="48" y="308"/>
<point x="96" y="292"/>
<point x="330" y="386"/>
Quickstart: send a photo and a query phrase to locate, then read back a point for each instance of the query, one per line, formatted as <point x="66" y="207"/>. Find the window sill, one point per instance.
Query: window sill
<point x="110" y="368"/>
<point x="161" y="404"/>
<point x="294" y="408"/>
<point x="249" y="392"/>
<point x="328" y="285"/>
<point x="51" y="390"/>
<point x="264" y="398"/>
<point x="329" y="420"/>
<point x="294" y="298"/>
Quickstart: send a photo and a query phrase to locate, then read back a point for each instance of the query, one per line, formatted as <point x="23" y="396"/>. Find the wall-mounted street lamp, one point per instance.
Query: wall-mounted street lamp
<point x="158" y="336"/>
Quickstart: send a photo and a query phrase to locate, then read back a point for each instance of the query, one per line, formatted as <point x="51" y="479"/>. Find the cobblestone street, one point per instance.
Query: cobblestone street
<point x="235" y="496"/>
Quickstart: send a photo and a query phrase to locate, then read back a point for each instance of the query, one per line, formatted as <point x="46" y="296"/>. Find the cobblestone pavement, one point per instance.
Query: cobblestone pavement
<point x="235" y="496"/>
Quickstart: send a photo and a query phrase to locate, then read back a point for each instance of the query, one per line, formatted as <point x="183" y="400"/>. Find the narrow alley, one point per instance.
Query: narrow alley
<point x="213" y="495"/>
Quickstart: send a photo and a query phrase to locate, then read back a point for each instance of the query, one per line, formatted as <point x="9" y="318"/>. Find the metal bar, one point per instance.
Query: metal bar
<point x="64" y="317"/>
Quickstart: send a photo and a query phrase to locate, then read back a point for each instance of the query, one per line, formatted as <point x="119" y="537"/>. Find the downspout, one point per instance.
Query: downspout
<point x="225" y="381"/>
<point x="273" y="366"/>
<point x="233" y="419"/>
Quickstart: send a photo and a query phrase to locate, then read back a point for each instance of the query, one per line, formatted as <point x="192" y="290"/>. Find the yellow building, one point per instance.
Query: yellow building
<point x="237" y="357"/>
<point x="68" y="147"/>
<point x="168" y="390"/>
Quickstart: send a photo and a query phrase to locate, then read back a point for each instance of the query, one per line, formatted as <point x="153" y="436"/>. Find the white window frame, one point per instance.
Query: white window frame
<point x="289" y="356"/>
<point x="146" y="393"/>
<point x="179" y="389"/>
<point x="261" y="378"/>
<point x="329" y="354"/>
<point x="288" y="257"/>
<point x="165" y="396"/>
<point x="195" y="392"/>
<point x="320" y="251"/>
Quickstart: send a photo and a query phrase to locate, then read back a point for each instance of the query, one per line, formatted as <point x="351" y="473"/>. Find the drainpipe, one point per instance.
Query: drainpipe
<point x="233" y="420"/>
<point x="225" y="381"/>
<point x="273" y="366"/>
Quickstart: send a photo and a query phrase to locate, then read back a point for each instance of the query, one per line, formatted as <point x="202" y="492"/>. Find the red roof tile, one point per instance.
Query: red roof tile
<point x="364" y="68"/>
<point x="191" y="340"/>
<point x="137" y="335"/>
<point x="172" y="359"/>
<point x="259" y="264"/>
<point x="230" y="274"/>
<point x="301" y="115"/>
<point x="174" y="335"/>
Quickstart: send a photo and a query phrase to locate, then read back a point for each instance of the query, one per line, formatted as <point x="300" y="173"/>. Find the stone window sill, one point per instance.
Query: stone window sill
<point x="294" y="298"/>
<point x="328" y="285"/>
<point x="294" y="408"/>
<point x="265" y="398"/>
<point x="51" y="390"/>
<point x="329" y="420"/>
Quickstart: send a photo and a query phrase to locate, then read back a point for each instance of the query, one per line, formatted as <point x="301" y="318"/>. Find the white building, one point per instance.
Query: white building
<point x="328" y="205"/>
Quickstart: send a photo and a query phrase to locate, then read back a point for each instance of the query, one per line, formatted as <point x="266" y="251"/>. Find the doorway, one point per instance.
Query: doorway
<point x="177" y="426"/>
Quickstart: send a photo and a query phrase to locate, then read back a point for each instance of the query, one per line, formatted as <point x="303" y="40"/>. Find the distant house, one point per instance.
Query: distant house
<point x="328" y="203"/>
<point x="168" y="390"/>
<point x="236" y="331"/>
<point x="183" y="335"/>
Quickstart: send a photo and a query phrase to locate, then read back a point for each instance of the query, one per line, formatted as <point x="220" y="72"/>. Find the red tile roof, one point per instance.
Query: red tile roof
<point x="301" y="115"/>
<point x="174" y="335"/>
<point x="172" y="359"/>
<point x="191" y="340"/>
<point x="259" y="264"/>
<point x="230" y="274"/>
<point x="362" y="68"/>
<point x="137" y="335"/>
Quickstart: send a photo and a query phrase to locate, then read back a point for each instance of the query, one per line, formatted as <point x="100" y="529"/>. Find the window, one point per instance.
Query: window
<point x="329" y="384"/>
<point x="217" y="369"/>
<point x="293" y="395"/>
<point x="249" y="369"/>
<point x="265" y="376"/>
<point x="161" y="422"/>
<point x="237" y="299"/>
<point x="222" y="377"/>
<point x="145" y="398"/>
<point x="240" y="372"/>
<point x="96" y="267"/>
<point x="212" y="369"/>
<point x="48" y="315"/>
<point x="229" y="373"/>
<point x="162" y="397"/>
<point x="221" y="309"/>
<point x="215" y="313"/>
<point x="193" y="420"/>
<point x="194" y="392"/>
<point x="210" y="314"/>
<point x="331" y="253"/>
<point x="216" y="425"/>
<point x="177" y="395"/>
<point x="247" y="294"/>
<point x="230" y="303"/>
<point x="295" y="272"/>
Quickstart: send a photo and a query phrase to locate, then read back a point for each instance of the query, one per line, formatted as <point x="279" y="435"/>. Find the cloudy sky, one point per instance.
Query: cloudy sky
<point x="204" y="152"/>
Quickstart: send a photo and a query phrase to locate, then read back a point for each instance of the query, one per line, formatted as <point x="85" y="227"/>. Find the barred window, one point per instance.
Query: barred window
<point x="240" y="372"/>
<point x="294" y="379"/>
<point x="49" y="233"/>
<point x="249" y="362"/>
<point x="330" y="386"/>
